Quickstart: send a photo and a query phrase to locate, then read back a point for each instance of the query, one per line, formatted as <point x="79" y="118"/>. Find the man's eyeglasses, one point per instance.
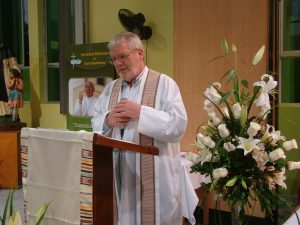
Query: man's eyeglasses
<point x="120" y="58"/>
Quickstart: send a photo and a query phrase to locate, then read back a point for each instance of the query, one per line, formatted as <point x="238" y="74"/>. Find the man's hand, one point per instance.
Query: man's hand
<point x="123" y="112"/>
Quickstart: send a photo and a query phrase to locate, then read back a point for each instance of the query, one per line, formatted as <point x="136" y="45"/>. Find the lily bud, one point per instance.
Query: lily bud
<point x="253" y="129"/>
<point x="236" y="110"/>
<point x="220" y="172"/>
<point x="223" y="131"/>
<point x="293" y="165"/>
<point x="208" y="142"/>
<point x="288" y="145"/>
<point x="277" y="154"/>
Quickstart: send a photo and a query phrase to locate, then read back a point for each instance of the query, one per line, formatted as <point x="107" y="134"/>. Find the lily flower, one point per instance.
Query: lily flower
<point x="279" y="178"/>
<point x="223" y="131"/>
<point x="277" y="154"/>
<point x="212" y="94"/>
<point x="236" y="110"/>
<point x="228" y="146"/>
<point x="288" y="145"/>
<point x="291" y="165"/>
<point x="261" y="157"/>
<point x="266" y="88"/>
<point x="253" y="129"/>
<point x="225" y="111"/>
<point x="248" y="144"/>
<point x="220" y="172"/>
<point x="208" y="106"/>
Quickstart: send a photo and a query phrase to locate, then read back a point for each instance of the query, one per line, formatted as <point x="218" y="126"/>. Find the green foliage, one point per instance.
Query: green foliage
<point x="9" y="211"/>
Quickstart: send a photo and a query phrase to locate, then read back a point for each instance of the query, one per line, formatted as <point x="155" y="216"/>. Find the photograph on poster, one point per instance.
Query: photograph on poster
<point x="83" y="93"/>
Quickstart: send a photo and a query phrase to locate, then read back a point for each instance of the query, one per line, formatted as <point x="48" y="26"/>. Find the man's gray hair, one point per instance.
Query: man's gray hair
<point x="133" y="40"/>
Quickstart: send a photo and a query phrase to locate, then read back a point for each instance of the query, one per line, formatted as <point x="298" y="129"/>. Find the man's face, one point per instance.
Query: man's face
<point x="128" y="63"/>
<point x="89" y="89"/>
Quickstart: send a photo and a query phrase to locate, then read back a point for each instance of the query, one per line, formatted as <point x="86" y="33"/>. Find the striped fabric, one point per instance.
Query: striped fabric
<point x="147" y="166"/>
<point x="148" y="212"/>
<point x="24" y="165"/>
<point x="86" y="183"/>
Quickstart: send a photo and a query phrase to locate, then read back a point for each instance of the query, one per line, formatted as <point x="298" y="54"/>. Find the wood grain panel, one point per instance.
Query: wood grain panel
<point x="199" y="26"/>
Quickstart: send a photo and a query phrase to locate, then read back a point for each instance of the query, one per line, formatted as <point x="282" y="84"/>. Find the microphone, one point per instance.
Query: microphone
<point x="122" y="132"/>
<point x="122" y="128"/>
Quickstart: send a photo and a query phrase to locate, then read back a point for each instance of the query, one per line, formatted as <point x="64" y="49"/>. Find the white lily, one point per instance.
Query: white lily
<point x="261" y="157"/>
<point x="212" y="94"/>
<point x="248" y="144"/>
<point x="277" y="154"/>
<point x="279" y="178"/>
<point x="267" y="87"/>
<point x="214" y="118"/>
<point x="228" y="146"/>
<point x="208" y="142"/>
<point x="253" y="129"/>
<point x="236" y="110"/>
<point x="220" y="172"/>
<point x="291" y="165"/>
<point x="223" y="131"/>
<point x="195" y="158"/>
<point x="225" y="111"/>
<point x="205" y="156"/>
<point x="271" y="135"/>
<point x="208" y="106"/>
<point x="288" y="145"/>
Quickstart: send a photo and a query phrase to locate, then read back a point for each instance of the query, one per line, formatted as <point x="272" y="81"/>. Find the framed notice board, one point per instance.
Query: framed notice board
<point x="88" y="72"/>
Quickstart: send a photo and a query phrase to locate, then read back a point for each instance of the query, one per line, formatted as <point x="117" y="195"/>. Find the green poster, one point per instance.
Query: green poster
<point x="88" y="72"/>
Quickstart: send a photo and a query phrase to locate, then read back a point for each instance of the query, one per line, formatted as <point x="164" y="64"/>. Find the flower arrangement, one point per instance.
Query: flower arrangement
<point x="244" y="156"/>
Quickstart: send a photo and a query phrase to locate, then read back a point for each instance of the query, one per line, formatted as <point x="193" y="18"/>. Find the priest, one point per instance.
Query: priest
<point x="144" y="107"/>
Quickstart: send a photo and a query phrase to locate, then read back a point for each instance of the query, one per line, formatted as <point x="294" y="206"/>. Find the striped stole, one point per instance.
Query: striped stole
<point x="147" y="172"/>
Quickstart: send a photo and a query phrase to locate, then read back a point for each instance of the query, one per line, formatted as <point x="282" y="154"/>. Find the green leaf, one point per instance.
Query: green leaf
<point x="225" y="96"/>
<point x="258" y="56"/>
<point x="244" y="83"/>
<point x="244" y="184"/>
<point x="233" y="48"/>
<point x="224" y="46"/>
<point x="255" y="93"/>
<point x="41" y="213"/>
<point x="231" y="182"/>
<point x="215" y="58"/>
<point x="6" y="208"/>
<point x="229" y="73"/>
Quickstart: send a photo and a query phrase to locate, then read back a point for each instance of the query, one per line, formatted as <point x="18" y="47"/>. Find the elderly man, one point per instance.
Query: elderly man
<point x="85" y="103"/>
<point x="144" y="107"/>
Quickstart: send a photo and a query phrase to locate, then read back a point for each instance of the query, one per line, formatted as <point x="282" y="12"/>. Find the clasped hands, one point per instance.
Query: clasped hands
<point x="123" y="111"/>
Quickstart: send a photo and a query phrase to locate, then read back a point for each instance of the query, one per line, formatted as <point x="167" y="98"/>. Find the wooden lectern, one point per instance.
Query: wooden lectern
<point x="103" y="188"/>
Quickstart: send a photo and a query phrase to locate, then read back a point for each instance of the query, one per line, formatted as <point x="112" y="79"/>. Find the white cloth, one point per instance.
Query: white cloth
<point x="189" y="199"/>
<point x="190" y="182"/>
<point x="293" y="219"/>
<point x="53" y="174"/>
<point x="86" y="107"/>
<point x="166" y="124"/>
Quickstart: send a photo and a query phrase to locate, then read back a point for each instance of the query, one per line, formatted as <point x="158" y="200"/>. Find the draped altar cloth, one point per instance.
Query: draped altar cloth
<point x="57" y="169"/>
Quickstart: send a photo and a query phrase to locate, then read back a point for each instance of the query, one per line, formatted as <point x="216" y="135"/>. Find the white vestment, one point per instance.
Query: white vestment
<point x="166" y="124"/>
<point x="86" y="107"/>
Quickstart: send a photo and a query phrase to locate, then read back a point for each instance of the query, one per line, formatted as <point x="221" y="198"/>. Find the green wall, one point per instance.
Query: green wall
<point x="289" y="125"/>
<point x="104" y="23"/>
